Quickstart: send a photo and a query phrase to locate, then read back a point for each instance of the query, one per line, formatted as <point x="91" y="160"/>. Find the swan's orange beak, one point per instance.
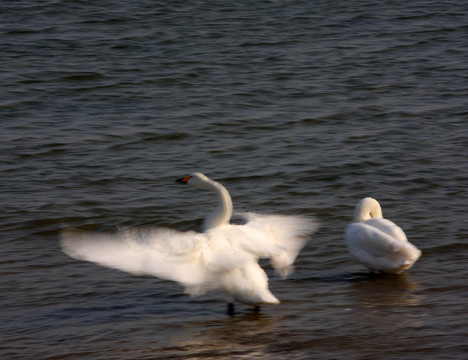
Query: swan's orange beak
<point x="184" y="180"/>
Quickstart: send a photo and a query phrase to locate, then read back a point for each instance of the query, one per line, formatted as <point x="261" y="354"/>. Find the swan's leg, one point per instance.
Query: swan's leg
<point x="256" y="309"/>
<point x="230" y="309"/>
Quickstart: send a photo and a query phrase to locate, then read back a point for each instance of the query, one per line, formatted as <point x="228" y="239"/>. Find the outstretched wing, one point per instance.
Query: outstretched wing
<point x="161" y="252"/>
<point x="196" y="260"/>
<point x="277" y="237"/>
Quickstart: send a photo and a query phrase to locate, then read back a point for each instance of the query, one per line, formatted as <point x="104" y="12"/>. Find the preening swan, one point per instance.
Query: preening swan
<point x="224" y="256"/>
<point x="378" y="243"/>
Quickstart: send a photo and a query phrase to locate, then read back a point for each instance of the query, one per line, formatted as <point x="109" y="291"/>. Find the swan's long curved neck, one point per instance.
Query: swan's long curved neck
<point x="366" y="209"/>
<point x="223" y="212"/>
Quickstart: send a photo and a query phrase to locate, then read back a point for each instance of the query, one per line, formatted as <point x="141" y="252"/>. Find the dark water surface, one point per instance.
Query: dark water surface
<point x="297" y="107"/>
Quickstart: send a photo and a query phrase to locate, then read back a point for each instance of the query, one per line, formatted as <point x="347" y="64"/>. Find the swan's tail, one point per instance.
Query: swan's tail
<point x="269" y="298"/>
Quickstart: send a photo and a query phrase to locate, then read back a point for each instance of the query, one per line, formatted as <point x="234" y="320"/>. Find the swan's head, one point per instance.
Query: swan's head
<point x="195" y="179"/>
<point x="367" y="208"/>
<point x="221" y="214"/>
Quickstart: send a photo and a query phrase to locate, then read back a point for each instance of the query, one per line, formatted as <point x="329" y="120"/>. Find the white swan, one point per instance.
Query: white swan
<point x="378" y="243"/>
<point x="223" y="256"/>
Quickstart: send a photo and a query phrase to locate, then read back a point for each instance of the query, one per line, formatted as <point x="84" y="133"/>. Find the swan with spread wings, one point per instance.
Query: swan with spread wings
<point x="223" y="256"/>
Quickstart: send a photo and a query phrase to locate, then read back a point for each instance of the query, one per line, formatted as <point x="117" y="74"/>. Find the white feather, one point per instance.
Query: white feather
<point x="224" y="256"/>
<point x="379" y="243"/>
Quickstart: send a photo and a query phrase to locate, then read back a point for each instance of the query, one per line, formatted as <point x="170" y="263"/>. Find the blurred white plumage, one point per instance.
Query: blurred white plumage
<point x="223" y="256"/>
<point x="378" y="243"/>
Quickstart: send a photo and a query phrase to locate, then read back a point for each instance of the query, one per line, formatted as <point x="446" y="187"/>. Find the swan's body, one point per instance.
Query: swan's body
<point x="223" y="256"/>
<point x="378" y="243"/>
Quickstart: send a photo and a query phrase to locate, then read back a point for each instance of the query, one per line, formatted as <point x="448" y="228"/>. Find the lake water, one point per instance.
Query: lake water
<point x="297" y="107"/>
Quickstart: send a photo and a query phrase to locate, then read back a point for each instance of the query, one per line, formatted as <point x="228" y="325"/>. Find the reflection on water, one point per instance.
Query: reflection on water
<point x="347" y="313"/>
<point x="387" y="289"/>
<point x="249" y="334"/>
<point x="385" y="301"/>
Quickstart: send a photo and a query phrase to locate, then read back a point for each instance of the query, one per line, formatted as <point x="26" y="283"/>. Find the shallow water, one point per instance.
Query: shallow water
<point x="296" y="107"/>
